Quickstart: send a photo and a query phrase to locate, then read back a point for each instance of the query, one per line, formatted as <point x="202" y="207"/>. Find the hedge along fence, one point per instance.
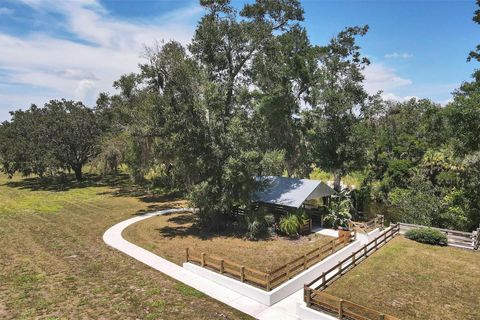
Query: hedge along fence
<point x="316" y="298"/>
<point x="466" y="240"/>
<point x="271" y="279"/>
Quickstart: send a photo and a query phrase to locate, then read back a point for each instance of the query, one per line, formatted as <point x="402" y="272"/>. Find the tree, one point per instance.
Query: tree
<point x="62" y="135"/>
<point x="74" y="133"/>
<point x="341" y="104"/>
<point x="475" y="54"/>
<point x="284" y="73"/>
<point x="199" y="114"/>
<point x="24" y="144"/>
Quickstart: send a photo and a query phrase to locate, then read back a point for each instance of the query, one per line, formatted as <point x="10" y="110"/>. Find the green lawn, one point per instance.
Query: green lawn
<point x="410" y="280"/>
<point x="54" y="264"/>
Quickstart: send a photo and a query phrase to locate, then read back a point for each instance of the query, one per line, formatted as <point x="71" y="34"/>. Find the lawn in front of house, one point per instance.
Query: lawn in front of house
<point x="169" y="235"/>
<point x="410" y="280"/>
<point x="55" y="265"/>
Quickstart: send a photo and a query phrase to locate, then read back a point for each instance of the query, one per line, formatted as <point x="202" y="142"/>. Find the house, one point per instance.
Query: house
<point x="283" y="194"/>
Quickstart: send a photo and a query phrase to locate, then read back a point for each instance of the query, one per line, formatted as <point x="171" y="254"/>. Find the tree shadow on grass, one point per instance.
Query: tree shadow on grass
<point x="120" y="183"/>
<point x="184" y="225"/>
<point x="68" y="182"/>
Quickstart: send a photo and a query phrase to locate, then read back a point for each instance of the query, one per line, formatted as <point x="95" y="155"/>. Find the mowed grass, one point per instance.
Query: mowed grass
<point x="169" y="235"/>
<point x="54" y="264"/>
<point x="410" y="280"/>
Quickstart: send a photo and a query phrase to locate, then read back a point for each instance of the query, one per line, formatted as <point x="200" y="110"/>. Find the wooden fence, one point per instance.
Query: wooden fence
<point x="306" y="227"/>
<point x="459" y="239"/>
<point x="316" y="298"/>
<point x="377" y="222"/>
<point x="271" y="279"/>
<point x="476" y="239"/>
<point x="344" y="309"/>
<point x="355" y="258"/>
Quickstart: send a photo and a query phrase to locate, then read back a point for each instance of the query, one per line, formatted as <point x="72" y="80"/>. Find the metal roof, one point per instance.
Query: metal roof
<point x="290" y="192"/>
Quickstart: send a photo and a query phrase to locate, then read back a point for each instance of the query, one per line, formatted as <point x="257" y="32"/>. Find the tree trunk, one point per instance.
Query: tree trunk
<point x="78" y="172"/>
<point x="337" y="179"/>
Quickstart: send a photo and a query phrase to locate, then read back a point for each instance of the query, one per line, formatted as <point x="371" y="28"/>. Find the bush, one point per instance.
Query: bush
<point x="427" y="235"/>
<point x="255" y="224"/>
<point x="291" y="224"/>
<point x="339" y="210"/>
<point x="269" y="219"/>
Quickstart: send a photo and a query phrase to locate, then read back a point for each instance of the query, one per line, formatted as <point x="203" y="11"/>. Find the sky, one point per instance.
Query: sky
<point x="75" y="49"/>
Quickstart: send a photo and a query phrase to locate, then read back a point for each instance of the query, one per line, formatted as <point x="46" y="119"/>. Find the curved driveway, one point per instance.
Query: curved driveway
<point x="113" y="237"/>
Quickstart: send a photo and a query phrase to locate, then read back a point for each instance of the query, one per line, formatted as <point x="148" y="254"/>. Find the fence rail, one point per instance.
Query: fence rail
<point x="316" y="298"/>
<point x="271" y="279"/>
<point x="461" y="239"/>
<point x="344" y="309"/>
<point x="355" y="258"/>
<point x="306" y="227"/>
<point x="377" y="222"/>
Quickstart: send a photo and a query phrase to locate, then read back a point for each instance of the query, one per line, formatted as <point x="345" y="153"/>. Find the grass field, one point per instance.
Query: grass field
<point x="410" y="280"/>
<point x="169" y="235"/>
<point x="54" y="264"/>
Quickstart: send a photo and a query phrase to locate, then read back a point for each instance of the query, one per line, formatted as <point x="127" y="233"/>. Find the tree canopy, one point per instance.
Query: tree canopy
<point x="251" y="95"/>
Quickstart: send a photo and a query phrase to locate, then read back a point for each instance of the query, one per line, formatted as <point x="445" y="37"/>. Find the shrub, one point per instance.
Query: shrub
<point x="269" y="219"/>
<point x="427" y="235"/>
<point x="339" y="210"/>
<point x="290" y="225"/>
<point x="255" y="224"/>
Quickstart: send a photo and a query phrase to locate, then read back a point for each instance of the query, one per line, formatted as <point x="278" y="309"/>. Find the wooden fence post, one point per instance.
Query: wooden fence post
<point x="222" y="267"/>
<point x="340" y="309"/>
<point x="340" y="267"/>
<point x="242" y="273"/>
<point x="268" y="281"/>
<point x="203" y="259"/>
<point x="288" y="270"/>
<point x="308" y="296"/>
<point x="323" y="278"/>
<point x="365" y="250"/>
<point x="353" y="260"/>
<point x="186" y="254"/>
<point x="304" y="261"/>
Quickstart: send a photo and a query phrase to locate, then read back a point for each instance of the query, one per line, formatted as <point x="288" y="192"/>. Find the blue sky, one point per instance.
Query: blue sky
<point x="77" y="48"/>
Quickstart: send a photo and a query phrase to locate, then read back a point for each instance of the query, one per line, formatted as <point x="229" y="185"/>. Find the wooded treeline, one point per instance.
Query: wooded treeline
<point x="251" y="95"/>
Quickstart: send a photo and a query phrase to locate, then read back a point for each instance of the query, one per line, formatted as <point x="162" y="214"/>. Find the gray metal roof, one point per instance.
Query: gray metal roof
<point x="290" y="192"/>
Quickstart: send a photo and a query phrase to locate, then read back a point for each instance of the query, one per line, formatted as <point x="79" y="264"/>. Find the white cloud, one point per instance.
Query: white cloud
<point x="379" y="77"/>
<point x="396" y="55"/>
<point x="109" y="47"/>
<point x="6" y="11"/>
<point x="85" y="90"/>
<point x="394" y="97"/>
